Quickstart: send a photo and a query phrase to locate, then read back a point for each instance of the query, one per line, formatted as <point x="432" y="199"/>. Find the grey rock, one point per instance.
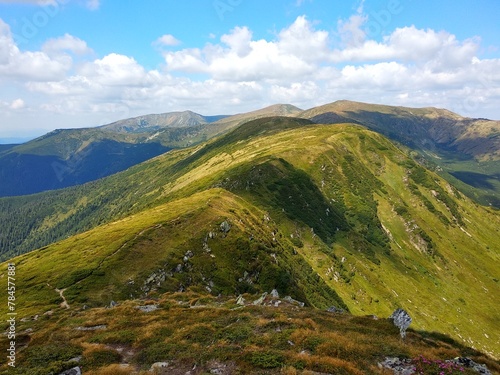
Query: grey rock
<point x="260" y="301"/>
<point x="336" y="310"/>
<point x="189" y="254"/>
<point x="158" y="366"/>
<point x="293" y="301"/>
<point x="112" y="304"/>
<point x="398" y="366"/>
<point x="469" y="363"/>
<point x="147" y="308"/>
<point x="240" y="300"/>
<point x="92" y="328"/>
<point x="73" y="371"/>
<point x="275" y="294"/>
<point x="225" y="227"/>
<point x="401" y="320"/>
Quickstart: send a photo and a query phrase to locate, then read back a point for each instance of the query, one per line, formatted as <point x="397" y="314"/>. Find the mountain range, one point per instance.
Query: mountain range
<point x="343" y="206"/>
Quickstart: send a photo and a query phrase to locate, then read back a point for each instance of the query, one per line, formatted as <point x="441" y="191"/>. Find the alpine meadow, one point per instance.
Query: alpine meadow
<point x="278" y="241"/>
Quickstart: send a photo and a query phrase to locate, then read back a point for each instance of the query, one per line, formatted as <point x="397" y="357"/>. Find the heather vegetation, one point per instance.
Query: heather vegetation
<point x="192" y="330"/>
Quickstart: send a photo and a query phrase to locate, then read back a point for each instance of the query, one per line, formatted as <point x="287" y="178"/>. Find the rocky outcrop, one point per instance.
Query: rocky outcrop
<point x="469" y="363"/>
<point x="225" y="227"/>
<point x="401" y="320"/>
<point x="73" y="371"/>
<point x="399" y="366"/>
<point x="410" y="366"/>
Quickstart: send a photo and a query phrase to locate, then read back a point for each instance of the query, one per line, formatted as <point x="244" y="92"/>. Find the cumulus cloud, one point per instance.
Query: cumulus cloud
<point x="301" y="64"/>
<point x="29" y="65"/>
<point x="167" y="40"/>
<point x="66" y="43"/>
<point x="241" y="58"/>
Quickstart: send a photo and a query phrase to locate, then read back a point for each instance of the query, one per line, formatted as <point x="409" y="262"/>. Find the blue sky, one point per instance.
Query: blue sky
<point x="79" y="63"/>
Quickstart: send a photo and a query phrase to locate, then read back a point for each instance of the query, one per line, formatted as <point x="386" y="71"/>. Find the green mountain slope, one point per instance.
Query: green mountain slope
<point x="465" y="151"/>
<point x="341" y="218"/>
<point x="68" y="157"/>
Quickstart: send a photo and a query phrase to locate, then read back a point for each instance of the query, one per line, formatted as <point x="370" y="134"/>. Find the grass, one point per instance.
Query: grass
<point x="283" y="339"/>
<point x="362" y="241"/>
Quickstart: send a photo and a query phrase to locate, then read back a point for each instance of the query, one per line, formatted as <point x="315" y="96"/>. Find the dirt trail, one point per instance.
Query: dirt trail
<point x="64" y="303"/>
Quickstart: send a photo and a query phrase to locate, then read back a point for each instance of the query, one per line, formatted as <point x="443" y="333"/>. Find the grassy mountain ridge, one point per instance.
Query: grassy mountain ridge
<point x="464" y="150"/>
<point x="349" y="214"/>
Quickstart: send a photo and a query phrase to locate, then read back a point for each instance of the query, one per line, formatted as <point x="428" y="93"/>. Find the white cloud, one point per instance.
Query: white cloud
<point x="18" y="65"/>
<point x="115" y="70"/>
<point x="240" y="58"/>
<point x="302" y="64"/>
<point x="351" y="31"/>
<point x="66" y="43"/>
<point x="167" y="40"/>
<point x="17" y="104"/>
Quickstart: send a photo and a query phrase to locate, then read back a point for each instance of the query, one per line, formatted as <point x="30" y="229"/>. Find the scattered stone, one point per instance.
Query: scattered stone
<point x="147" y="308"/>
<point x="225" y="227"/>
<point x="293" y="301"/>
<point x="240" y="300"/>
<point x="335" y="310"/>
<point x="406" y="367"/>
<point x="112" y="304"/>
<point x="260" y="301"/>
<point x="73" y="371"/>
<point x="398" y="366"/>
<point x="158" y="366"/>
<point x="469" y="363"/>
<point x="246" y="278"/>
<point x="189" y="254"/>
<point x="275" y="294"/>
<point x="218" y="368"/>
<point x="92" y="328"/>
<point x="401" y="320"/>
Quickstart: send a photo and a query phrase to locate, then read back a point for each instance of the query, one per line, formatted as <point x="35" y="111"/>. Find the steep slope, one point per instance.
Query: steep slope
<point x="468" y="149"/>
<point x="343" y="218"/>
